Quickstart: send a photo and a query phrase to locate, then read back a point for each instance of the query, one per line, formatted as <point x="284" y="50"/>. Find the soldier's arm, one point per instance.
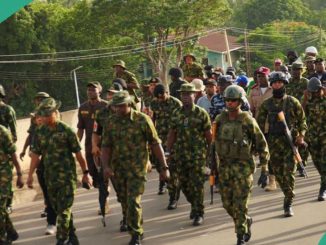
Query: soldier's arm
<point x="95" y="143"/>
<point x="26" y="144"/>
<point x="80" y="125"/>
<point x="13" y="124"/>
<point x="262" y="117"/>
<point x="158" y="151"/>
<point x="132" y="82"/>
<point x="35" y="161"/>
<point x="19" y="182"/>
<point x="300" y="122"/>
<point x="172" y="136"/>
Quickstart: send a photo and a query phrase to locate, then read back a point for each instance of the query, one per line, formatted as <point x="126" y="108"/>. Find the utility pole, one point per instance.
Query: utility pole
<point x="227" y="48"/>
<point x="76" y="84"/>
<point x="248" y="63"/>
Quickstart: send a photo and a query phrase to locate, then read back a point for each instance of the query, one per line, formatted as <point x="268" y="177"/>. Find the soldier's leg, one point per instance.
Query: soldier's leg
<point x="184" y="179"/>
<point x="92" y="168"/>
<point x="304" y="153"/>
<point x="226" y="192"/>
<point x="196" y="189"/>
<point x="241" y="193"/>
<point x="135" y="188"/>
<point x="173" y="187"/>
<point x="3" y="216"/>
<point x="120" y="184"/>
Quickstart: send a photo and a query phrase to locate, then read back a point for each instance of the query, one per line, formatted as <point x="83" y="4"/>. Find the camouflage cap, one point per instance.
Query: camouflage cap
<point x="120" y="98"/>
<point x="188" y="87"/>
<point x="41" y="95"/>
<point x="191" y="55"/>
<point x="95" y="84"/>
<point x="297" y="65"/>
<point x="309" y="58"/>
<point x="314" y="85"/>
<point x="2" y="91"/>
<point x="120" y="63"/>
<point x="47" y="106"/>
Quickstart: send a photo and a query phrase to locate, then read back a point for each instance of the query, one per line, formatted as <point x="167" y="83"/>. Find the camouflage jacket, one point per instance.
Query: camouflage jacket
<point x="294" y="115"/>
<point x="129" y="139"/>
<point x="190" y="127"/>
<point x="296" y="88"/>
<point x="316" y="117"/>
<point x="8" y="119"/>
<point x="7" y="148"/>
<point x="162" y="112"/>
<point x="192" y="71"/>
<point x="100" y="119"/>
<point x="56" y="146"/>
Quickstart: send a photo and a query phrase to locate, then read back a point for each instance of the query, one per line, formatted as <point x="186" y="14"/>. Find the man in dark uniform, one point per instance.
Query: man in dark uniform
<point x="86" y="116"/>
<point x="176" y="78"/>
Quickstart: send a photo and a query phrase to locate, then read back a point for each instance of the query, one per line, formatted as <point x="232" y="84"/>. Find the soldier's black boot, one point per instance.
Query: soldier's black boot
<point x="173" y="204"/>
<point x="198" y="220"/>
<point x="12" y="235"/>
<point x="161" y="187"/>
<point x="73" y="239"/>
<point x="135" y="240"/>
<point x="240" y="240"/>
<point x="322" y="194"/>
<point x="288" y="212"/>
<point x="247" y="236"/>
<point x="123" y="225"/>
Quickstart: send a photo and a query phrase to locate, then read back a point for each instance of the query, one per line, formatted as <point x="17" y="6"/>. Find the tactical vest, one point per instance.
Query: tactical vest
<point x="275" y="126"/>
<point x="232" y="142"/>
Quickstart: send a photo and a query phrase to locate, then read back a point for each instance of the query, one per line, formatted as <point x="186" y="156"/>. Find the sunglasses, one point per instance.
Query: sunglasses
<point x="230" y="100"/>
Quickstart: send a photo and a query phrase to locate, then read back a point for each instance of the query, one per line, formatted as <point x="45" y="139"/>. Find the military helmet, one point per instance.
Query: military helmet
<point x="278" y="76"/>
<point x="234" y="92"/>
<point x="2" y="92"/>
<point x="191" y="55"/>
<point x="314" y="85"/>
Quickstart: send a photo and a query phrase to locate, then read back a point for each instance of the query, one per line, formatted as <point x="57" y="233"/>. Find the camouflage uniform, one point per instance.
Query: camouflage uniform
<point x="296" y="89"/>
<point x="316" y="135"/>
<point x="162" y="112"/>
<point x="56" y="146"/>
<point x="7" y="148"/>
<point x="128" y="138"/>
<point x="129" y="78"/>
<point x="191" y="71"/>
<point x="189" y="152"/>
<point x="8" y="119"/>
<point x="282" y="159"/>
<point x="236" y="141"/>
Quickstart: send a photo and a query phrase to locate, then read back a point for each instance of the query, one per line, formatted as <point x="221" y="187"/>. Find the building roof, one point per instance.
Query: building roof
<point x="215" y="42"/>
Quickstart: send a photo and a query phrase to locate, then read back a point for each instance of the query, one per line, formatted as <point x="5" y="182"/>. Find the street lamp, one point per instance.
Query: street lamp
<point x="76" y="85"/>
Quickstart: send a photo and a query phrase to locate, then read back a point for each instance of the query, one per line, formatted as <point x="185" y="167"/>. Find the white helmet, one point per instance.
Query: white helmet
<point x="312" y="50"/>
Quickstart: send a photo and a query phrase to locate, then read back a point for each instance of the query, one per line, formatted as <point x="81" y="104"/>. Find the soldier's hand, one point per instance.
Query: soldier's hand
<point x="107" y="173"/>
<point x="299" y="140"/>
<point x="30" y="181"/>
<point x="21" y="155"/>
<point x="262" y="181"/>
<point x="149" y="167"/>
<point x="87" y="180"/>
<point x="165" y="174"/>
<point x="20" y="182"/>
<point x="96" y="151"/>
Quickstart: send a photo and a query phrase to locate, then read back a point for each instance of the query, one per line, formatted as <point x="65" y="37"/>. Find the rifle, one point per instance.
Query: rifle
<point x="288" y="135"/>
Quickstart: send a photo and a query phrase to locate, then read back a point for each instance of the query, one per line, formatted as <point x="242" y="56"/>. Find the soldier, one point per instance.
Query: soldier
<point x="126" y="137"/>
<point x="320" y="71"/>
<point x="191" y="70"/>
<point x="311" y="51"/>
<point x="163" y="105"/>
<point x="48" y="211"/>
<point x="282" y="157"/>
<point x="188" y="140"/>
<point x="316" y="117"/>
<point x="120" y="71"/>
<point x="292" y="56"/>
<point x="176" y="78"/>
<point x="310" y="66"/>
<point x="237" y="137"/>
<point x="8" y="160"/>
<point x="296" y="87"/>
<point x="55" y="142"/>
<point x="86" y="115"/>
<point x="8" y="120"/>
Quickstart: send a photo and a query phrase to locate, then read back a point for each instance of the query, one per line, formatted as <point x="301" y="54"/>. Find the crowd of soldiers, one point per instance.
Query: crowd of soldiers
<point x="206" y="122"/>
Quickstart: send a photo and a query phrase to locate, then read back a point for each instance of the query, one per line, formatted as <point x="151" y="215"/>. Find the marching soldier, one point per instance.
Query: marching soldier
<point x="188" y="140"/>
<point x="55" y="142"/>
<point x="192" y="70"/>
<point x="162" y="106"/>
<point x="126" y="137"/>
<point x="316" y="117"/>
<point x="8" y="159"/>
<point x="237" y="137"/>
<point x="282" y="157"/>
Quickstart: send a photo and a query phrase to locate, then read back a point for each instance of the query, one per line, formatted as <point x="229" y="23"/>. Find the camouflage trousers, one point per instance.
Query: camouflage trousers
<point x="61" y="199"/>
<point x="192" y="178"/>
<point x="317" y="149"/>
<point x="283" y="166"/>
<point x="5" y="222"/>
<point x="235" y="192"/>
<point x="129" y="189"/>
<point x="173" y="182"/>
<point x="304" y="153"/>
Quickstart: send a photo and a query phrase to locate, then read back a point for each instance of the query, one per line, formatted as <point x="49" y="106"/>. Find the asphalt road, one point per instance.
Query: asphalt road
<point x="174" y="227"/>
